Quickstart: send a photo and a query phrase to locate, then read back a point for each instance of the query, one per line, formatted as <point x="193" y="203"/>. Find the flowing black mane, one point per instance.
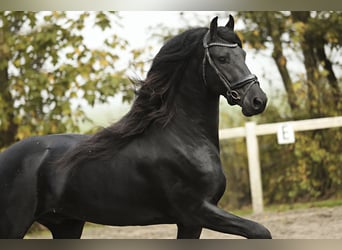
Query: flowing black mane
<point x="153" y="103"/>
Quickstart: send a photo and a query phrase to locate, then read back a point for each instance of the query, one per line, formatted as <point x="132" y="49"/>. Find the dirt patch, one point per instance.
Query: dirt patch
<point x="313" y="223"/>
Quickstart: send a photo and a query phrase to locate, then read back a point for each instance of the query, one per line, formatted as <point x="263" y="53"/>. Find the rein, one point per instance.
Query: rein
<point x="231" y="87"/>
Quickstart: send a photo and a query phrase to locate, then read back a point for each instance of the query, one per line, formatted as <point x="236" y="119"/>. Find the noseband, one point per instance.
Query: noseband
<point x="231" y="87"/>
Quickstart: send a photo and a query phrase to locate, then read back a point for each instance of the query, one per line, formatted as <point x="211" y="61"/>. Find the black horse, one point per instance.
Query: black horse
<point x="160" y="164"/>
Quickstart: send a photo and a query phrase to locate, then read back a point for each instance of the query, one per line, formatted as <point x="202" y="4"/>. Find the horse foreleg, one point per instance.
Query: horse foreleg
<point x="214" y="218"/>
<point x="188" y="232"/>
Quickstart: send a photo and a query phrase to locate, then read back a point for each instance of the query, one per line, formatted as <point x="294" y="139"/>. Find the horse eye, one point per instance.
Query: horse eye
<point x="222" y="59"/>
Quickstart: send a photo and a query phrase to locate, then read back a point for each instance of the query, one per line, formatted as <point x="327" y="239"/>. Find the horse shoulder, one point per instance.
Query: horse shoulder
<point x="189" y="164"/>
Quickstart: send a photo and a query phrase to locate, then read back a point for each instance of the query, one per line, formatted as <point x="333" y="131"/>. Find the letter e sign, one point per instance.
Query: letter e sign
<point x="285" y="134"/>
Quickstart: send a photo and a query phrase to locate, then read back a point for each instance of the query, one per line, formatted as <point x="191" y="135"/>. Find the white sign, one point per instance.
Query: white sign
<point x="285" y="134"/>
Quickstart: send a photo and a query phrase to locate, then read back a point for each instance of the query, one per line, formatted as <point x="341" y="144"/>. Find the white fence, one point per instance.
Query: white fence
<point x="252" y="130"/>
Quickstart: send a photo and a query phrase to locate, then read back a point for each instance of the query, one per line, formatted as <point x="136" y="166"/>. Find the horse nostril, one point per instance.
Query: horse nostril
<point x="257" y="103"/>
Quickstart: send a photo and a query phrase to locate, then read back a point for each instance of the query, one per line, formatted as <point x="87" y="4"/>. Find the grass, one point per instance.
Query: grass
<point x="288" y="207"/>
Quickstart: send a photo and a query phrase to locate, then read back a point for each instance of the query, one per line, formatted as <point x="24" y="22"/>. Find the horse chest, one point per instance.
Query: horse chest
<point x="205" y="162"/>
<point x="199" y="171"/>
<point x="210" y="173"/>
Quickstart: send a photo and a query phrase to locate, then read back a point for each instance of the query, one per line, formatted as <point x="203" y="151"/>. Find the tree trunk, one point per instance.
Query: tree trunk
<point x="311" y="65"/>
<point x="280" y="60"/>
<point x="327" y="65"/>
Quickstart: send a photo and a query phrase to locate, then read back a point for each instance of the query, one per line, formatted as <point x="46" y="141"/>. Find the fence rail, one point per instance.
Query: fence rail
<point x="252" y="130"/>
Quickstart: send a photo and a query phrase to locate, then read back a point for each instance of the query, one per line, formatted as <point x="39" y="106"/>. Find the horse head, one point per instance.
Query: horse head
<point x="225" y="71"/>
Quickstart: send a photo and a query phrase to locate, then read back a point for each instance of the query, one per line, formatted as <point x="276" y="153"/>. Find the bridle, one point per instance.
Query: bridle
<point x="231" y="87"/>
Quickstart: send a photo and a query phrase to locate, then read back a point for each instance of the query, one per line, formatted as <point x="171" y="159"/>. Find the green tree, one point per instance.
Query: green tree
<point x="46" y="69"/>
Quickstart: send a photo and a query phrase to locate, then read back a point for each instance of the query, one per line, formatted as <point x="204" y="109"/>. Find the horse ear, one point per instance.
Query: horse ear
<point x="213" y="28"/>
<point x="230" y="24"/>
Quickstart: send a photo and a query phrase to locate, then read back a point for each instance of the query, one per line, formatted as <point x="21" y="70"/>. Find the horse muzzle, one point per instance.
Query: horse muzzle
<point x="254" y="101"/>
<point x="251" y="98"/>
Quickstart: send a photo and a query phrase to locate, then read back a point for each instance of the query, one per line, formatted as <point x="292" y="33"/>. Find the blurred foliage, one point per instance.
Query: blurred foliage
<point x="47" y="71"/>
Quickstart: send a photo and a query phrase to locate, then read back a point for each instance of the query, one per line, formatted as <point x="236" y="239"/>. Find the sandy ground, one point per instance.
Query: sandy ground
<point x="313" y="223"/>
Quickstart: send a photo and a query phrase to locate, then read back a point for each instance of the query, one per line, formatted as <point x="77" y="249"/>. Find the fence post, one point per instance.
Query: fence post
<point x="254" y="167"/>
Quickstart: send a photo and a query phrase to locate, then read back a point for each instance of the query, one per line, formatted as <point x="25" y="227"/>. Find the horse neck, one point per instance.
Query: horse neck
<point x="197" y="107"/>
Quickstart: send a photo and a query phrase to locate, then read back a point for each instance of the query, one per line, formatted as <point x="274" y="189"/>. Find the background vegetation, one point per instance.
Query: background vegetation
<point x="47" y="71"/>
<point x="48" y="74"/>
